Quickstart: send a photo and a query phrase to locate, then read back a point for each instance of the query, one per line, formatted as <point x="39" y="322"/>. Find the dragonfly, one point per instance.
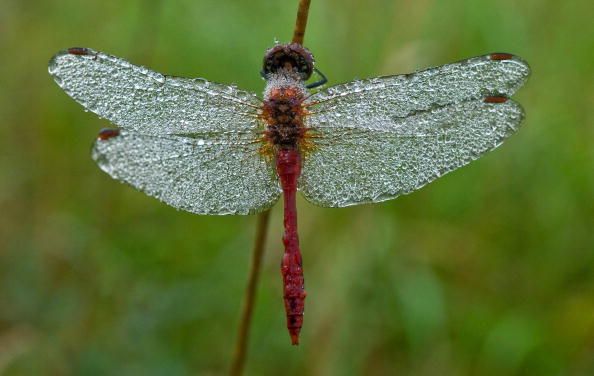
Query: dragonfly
<point x="213" y="149"/>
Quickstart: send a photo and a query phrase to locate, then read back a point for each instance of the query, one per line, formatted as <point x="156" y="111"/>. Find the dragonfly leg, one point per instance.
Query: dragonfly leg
<point x="321" y="82"/>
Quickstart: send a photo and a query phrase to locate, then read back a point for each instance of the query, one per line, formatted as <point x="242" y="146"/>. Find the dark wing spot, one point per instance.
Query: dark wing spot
<point x="501" y="56"/>
<point x="495" y="99"/>
<point x="106" y="134"/>
<point x="79" y="51"/>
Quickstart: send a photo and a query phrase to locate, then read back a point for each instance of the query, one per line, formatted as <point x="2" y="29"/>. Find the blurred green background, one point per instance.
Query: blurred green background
<point x="488" y="271"/>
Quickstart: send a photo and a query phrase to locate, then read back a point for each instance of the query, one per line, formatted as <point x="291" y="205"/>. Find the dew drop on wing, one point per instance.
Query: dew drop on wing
<point x="202" y="82"/>
<point x="157" y="77"/>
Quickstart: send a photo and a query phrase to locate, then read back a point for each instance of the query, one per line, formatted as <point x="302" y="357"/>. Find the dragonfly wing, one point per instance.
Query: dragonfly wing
<point x="353" y="165"/>
<point x="373" y="102"/>
<point x="144" y="101"/>
<point x="202" y="174"/>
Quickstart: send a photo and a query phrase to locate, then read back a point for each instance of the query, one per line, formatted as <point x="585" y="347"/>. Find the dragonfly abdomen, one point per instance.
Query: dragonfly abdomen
<point x="288" y="167"/>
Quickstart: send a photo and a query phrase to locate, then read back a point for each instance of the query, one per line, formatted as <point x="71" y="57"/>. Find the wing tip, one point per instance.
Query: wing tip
<point x="501" y="99"/>
<point x="55" y="63"/>
<point x="521" y="70"/>
<point x="73" y="51"/>
<point x="505" y="56"/>
<point x="506" y="101"/>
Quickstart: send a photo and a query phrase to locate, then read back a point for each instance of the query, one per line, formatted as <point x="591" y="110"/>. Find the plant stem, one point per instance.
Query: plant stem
<point x="250" y="294"/>
<point x="301" y="21"/>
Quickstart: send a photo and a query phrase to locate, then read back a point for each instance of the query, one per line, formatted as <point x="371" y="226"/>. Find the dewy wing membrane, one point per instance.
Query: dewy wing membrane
<point x="379" y="138"/>
<point x="147" y="102"/>
<point x="359" y="165"/>
<point x="202" y="175"/>
<point x="376" y="102"/>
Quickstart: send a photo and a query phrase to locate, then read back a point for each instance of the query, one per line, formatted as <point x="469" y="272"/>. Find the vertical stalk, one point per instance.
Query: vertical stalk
<point x="301" y="22"/>
<point x="240" y="353"/>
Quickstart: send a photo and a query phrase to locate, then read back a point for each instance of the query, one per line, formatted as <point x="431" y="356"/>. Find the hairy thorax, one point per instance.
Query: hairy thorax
<point x="283" y="110"/>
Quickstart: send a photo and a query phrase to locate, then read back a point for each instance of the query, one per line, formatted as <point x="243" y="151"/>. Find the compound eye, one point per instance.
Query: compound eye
<point x="291" y="57"/>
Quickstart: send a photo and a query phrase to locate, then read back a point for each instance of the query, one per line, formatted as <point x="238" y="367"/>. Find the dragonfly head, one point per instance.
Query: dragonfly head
<point x="293" y="57"/>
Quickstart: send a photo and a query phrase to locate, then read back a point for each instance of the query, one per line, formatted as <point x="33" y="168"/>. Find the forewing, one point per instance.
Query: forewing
<point x="203" y="174"/>
<point x="373" y="103"/>
<point x="138" y="99"/>
<point x="371" y="164"/>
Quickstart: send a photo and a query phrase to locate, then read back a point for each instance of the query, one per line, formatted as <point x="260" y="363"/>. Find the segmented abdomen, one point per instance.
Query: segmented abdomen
<point x="288" y="167"/>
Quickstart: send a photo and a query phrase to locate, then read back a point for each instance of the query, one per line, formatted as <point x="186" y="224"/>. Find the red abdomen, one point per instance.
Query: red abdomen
<point x="288" y="167"/>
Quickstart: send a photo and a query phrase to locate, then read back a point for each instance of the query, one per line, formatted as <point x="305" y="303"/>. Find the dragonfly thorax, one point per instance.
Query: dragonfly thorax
<point x="283" y="110"/>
